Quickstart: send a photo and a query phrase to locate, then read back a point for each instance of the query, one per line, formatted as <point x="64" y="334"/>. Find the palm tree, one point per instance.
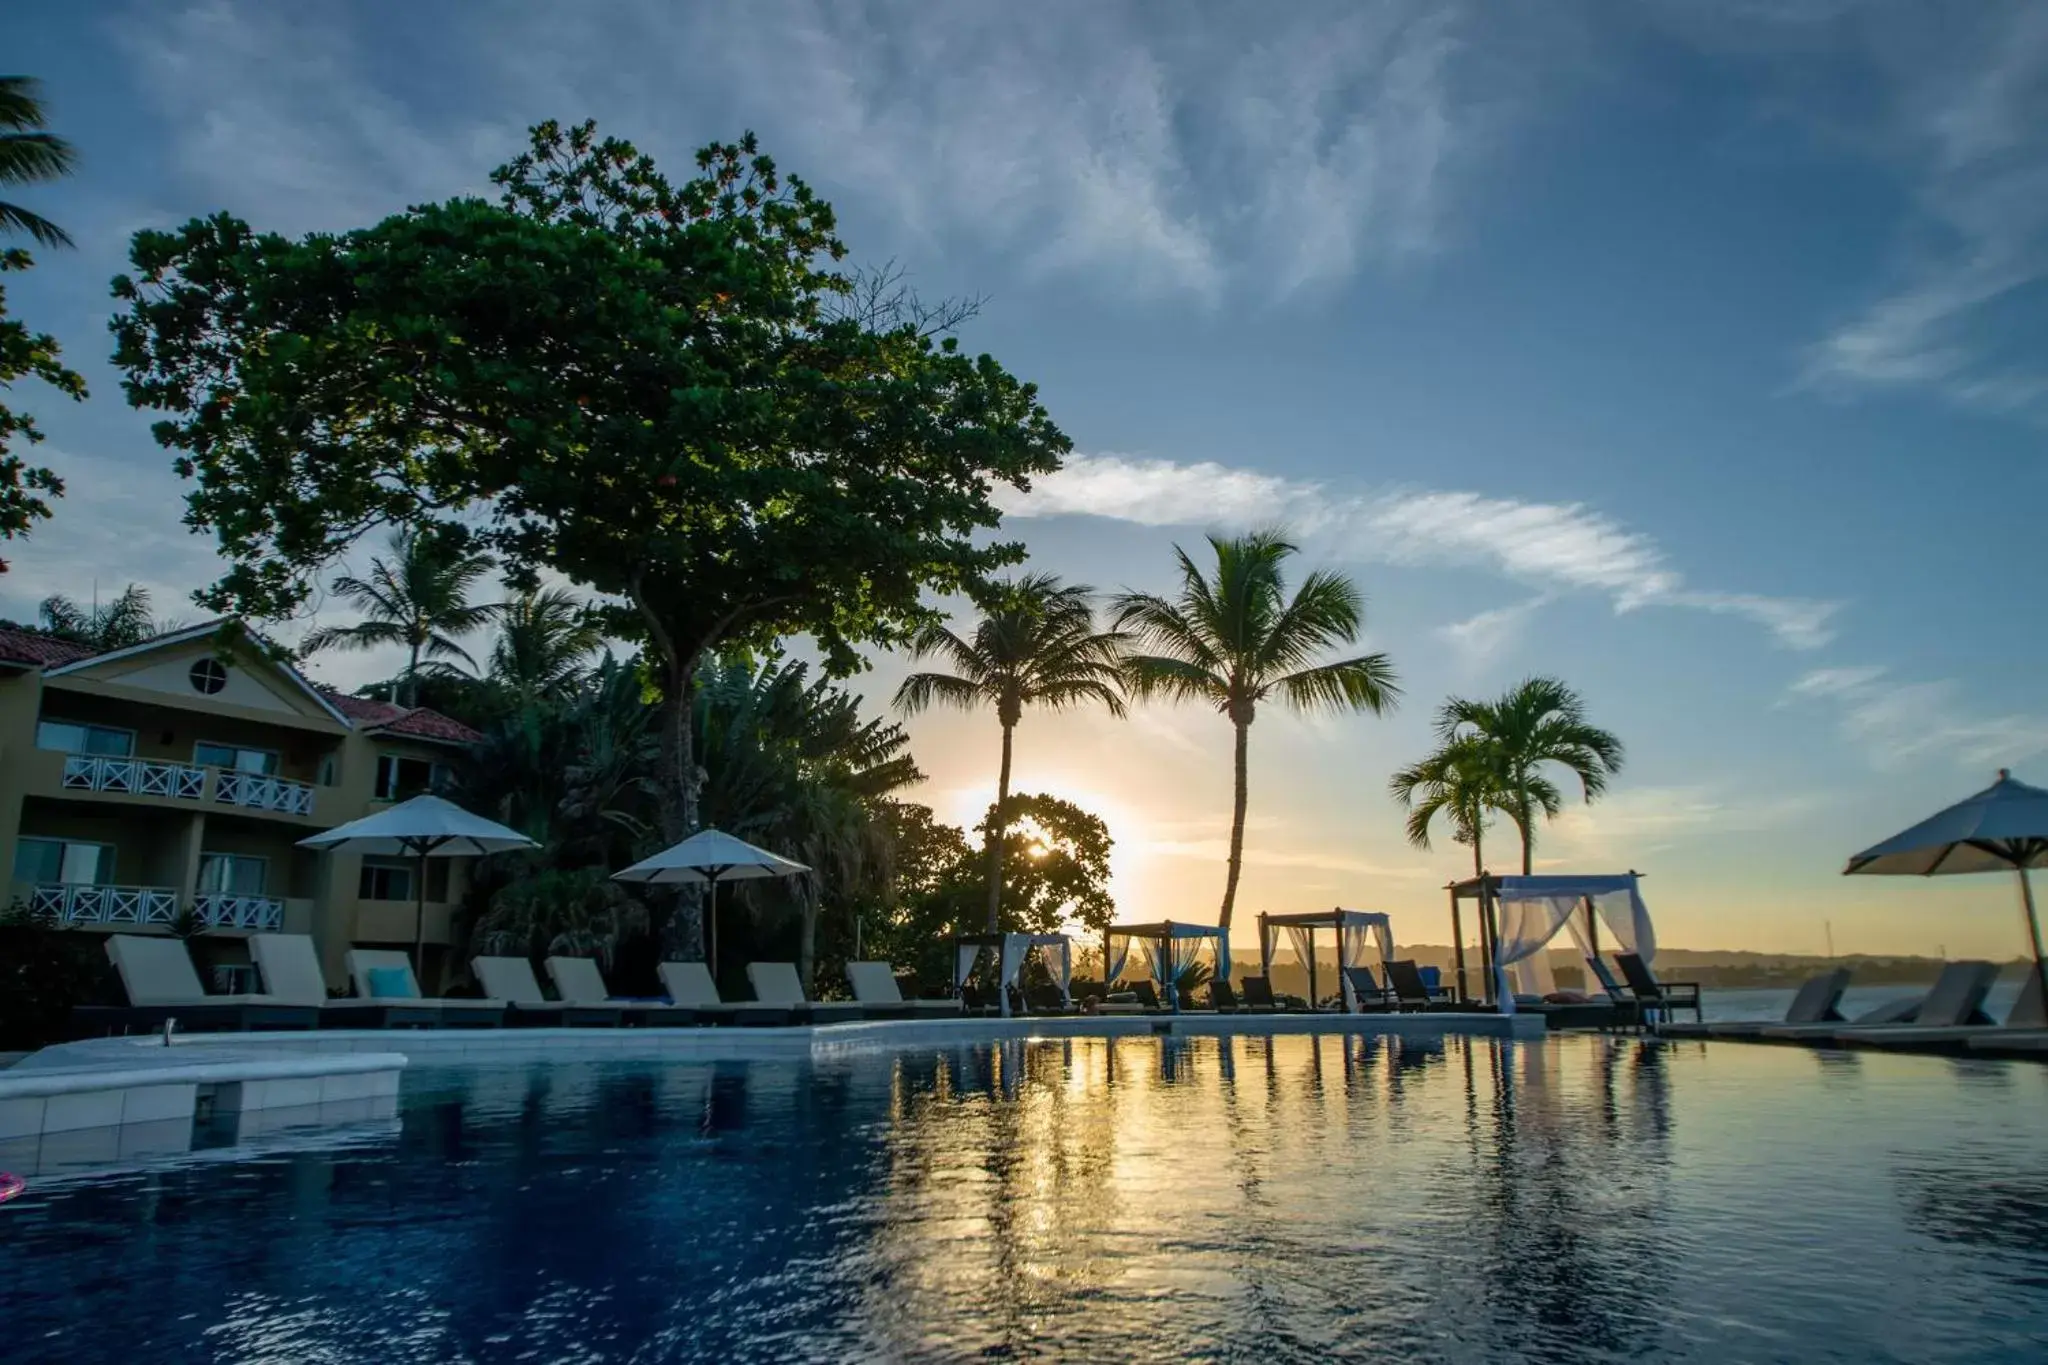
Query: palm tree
<point x="1462" y="780"/>
<point x="1035" y="645"/>
<point x="1538" y="721"/>
<point x="1237" y="639"/>
<point x="419" y="601"/>
<point x="545" y="640"/>
<point x="124" y="621"/>
<point x="29" y="155"/>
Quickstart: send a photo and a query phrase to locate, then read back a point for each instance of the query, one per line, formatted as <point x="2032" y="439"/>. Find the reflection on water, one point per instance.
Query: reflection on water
<point x="1288" y="1198"/>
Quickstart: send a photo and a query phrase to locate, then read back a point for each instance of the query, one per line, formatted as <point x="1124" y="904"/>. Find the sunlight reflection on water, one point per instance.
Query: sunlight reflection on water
<point x="1289" y="1198"/>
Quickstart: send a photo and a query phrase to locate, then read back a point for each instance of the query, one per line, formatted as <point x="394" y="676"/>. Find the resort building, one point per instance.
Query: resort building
<point x="168" y="784"/>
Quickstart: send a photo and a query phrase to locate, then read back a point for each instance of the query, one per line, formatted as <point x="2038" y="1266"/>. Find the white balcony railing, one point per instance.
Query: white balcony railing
<point x="82" y="904"/>
<point x="225" y="910"/>
<point x="134" y="776"/>
<point x="257" y="792"/>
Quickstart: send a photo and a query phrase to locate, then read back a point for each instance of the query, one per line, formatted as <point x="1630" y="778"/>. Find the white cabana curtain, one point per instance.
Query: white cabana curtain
<point x="1066" y="968"/>
<point x="1118" y="952"/>
<point x="1011" y="962"/>
<point x="1302" y="938"/>
<point x="1181" y="954"/>
<point x="1533" y="909"/>
<point x="1358" y="928"/>
<point x="964" y="955"/>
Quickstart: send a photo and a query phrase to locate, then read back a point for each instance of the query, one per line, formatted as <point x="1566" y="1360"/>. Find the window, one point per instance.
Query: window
<point x="328" y="772"/>
<point x="385" y="881"/>
<point x="399" y="777"/>
<point x="69" y="737"/>
<point x="42" y="861"/>
<point x="392" y="879"/>
<point x="233" y="874"/>
<point x="263" y="761"/>
<point x="208" y="676"/>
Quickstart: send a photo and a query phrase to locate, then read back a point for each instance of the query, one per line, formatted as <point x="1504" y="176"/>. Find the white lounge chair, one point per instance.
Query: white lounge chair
<point x="455" y="1013"/>
<point x="689" y="985"/>
<point x="1818" y="1001"/>
<point x="511" y="979"/>
<point x="158" y="976"/>
<point x="874" y="986"/>
<point x="776" y="983"/>
<point x="1957" y="997"/>
<point x="290" y="969"/>
<point x="578" y="981"/>
<point x="2029" y="1013"/>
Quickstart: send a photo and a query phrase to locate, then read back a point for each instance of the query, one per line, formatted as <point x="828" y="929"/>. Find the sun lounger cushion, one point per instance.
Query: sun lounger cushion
<point x="158" y="971"/>
<point x="289" y="967"/>
<point x="509" y="978"/>
<point x="874" y="983"/>
<point x="776" y="983"/>
<point x="578" y="981"/>
<point x="389" y="983"/>
<point x="690" y="984"/>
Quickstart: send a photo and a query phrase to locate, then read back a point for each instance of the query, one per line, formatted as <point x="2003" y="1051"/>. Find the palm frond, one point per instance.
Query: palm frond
<point x="1366" y="683"/>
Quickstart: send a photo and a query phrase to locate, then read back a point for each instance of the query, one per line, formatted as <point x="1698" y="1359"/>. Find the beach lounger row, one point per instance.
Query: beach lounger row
<point x="161" y="983"/>
<point x="1950" y="1015"/>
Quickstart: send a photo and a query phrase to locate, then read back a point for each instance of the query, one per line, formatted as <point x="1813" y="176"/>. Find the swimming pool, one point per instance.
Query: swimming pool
<point x="1285" y="1198"/>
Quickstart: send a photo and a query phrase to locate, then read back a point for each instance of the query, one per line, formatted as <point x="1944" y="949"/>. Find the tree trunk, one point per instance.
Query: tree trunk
<point x="412" y="676"/>
<point x="682" y="938"/>
<point x="1527" y="825"/>
<point x="1236" y="829"/>
<point x="998" y="830"/>
<point x="1478" y="853"/>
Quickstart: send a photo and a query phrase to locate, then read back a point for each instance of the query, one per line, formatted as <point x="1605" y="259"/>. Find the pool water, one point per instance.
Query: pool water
<point x="1293" y="1198"/>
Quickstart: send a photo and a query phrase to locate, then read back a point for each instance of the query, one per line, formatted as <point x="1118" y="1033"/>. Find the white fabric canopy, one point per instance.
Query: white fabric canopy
<point x="1169" y="949"/>
<point x="1011" y="950"/>
<point x="1531" y="911"/>
<point x="1357" y="932"/>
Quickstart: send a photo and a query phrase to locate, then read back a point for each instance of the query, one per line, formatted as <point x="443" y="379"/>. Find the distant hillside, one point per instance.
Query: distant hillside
<point x="1726" y="968"/>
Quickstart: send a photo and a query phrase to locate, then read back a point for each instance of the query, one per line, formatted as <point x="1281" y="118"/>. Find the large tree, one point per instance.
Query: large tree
<point x="122" y="620"/>
<point x="545" y="640"/>
<point x="1464" y="782"/>
<point x="1234" y="637"/>
<point x="654" y="389"/>
<point x="1035" y="645"/>
<point x="28" y="155"/>
<point x="1537" y="722"/>
<point x="417" y="601"/>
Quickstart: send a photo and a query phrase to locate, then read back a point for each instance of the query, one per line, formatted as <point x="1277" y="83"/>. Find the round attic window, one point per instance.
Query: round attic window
<point x="208" y="676"/>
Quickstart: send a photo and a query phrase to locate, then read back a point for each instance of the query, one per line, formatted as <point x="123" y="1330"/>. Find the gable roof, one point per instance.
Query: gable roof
<point x="55" y="656"/>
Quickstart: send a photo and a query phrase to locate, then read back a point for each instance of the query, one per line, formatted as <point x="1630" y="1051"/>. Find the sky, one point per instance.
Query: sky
<point x="1691" y="351"/>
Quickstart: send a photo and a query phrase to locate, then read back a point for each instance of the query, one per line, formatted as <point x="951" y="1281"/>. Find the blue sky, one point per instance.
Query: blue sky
<point x="1692" y="352"/>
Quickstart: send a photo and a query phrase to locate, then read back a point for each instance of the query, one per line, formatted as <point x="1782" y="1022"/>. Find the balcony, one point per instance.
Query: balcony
<point x="225" y="910"/>
<point x="135" y="777"/>
<point x="254" y="791"/>
<point x="78" y="903"/>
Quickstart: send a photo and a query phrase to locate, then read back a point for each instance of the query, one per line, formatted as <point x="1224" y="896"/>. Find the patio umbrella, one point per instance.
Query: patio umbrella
<point x="710" y="856"/>
<point x="2002" y="828"/>
<point x="422" y="828"/>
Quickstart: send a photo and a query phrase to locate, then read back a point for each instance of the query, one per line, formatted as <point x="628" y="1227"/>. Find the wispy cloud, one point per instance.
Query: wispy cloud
<point x="1553" y="546"/>
<point x="1636" y="821"/>
<point x="1217" y="850"/>
<point x="1897" y="722"/>
<point x="1480" y="639"/>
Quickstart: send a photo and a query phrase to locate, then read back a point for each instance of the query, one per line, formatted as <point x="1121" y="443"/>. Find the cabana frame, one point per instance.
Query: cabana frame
<point x="1483" y="893"/>
<point x="1159" y="939"/>
<point x="1336" y="920"/>
<point x="1011" y="950"/>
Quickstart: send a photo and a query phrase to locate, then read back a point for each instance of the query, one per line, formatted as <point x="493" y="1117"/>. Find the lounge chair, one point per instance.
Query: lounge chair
<point x="1957" y="997"/>
<point x="776" y="983"/>
<point x="386" y="974"/>
<point x="578" y="982"/>
<point x="1257" y="993"/>
<point x="1654" y="997"/>
<point x="2029" y="1014"/>
<point x="511" y="979"/>
<point x="1818" y="1001"/>
<point x="689" y="985"/>
<point x="1222" y="998"/>
<point x="1146" y="995"/>
<point x="158" y="975"/>
<point x="1367" y="995"/>
<point x="290" y="969"/>
<point x="874" y="986"/>
<point x="1404" y="983"/>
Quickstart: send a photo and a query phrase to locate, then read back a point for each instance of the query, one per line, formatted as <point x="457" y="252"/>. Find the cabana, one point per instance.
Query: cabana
<point x="1519" y="916"/>
<point x="1355" y="931"/>
<point x="1010" y="950"/>
<point x="1170" y="949"/>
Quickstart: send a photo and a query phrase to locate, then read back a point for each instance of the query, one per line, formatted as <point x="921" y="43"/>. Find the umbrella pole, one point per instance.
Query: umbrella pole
<point x="711" y="925"/>
<point x="2033" y="928"/>
<point x="419" y="917"/>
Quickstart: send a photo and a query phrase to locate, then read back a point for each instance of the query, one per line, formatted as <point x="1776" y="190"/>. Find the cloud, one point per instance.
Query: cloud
<point x="1553" y="546"/>
<point x="1635" y="821"/>
<point x="1218" y="850"/>
<point x="1899" y="722"/>
<point x="1479" y="640"/>
<point x="1228" y="150"/>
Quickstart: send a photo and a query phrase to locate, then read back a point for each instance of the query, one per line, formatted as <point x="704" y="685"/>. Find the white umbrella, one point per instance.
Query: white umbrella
<point x="710" y="856"/>
<point x="422" y="828"/>
<point x="2002" y="828"/>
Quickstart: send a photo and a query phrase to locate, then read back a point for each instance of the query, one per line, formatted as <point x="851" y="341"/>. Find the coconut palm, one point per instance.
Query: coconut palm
<point x="28" y="155"/>
<point x="116" y="624"/>
<point x="419" y="601"/>
<point x="1463" y="781"/>
<point x="1236" y="639"/>
<point x="1035" y="645"/>
<point x="545" y="640"/>
<point x="1538" y="721"/>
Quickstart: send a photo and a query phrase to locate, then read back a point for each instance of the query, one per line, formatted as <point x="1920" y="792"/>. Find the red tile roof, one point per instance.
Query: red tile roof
<point x="40" y="651"/>
<point x="417" y="721"/>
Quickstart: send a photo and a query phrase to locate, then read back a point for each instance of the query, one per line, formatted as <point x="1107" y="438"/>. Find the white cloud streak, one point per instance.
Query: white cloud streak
<point x="1553" y="546"/>
<point x="1897" y="722"/>
<point x="1480" y="639"/>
